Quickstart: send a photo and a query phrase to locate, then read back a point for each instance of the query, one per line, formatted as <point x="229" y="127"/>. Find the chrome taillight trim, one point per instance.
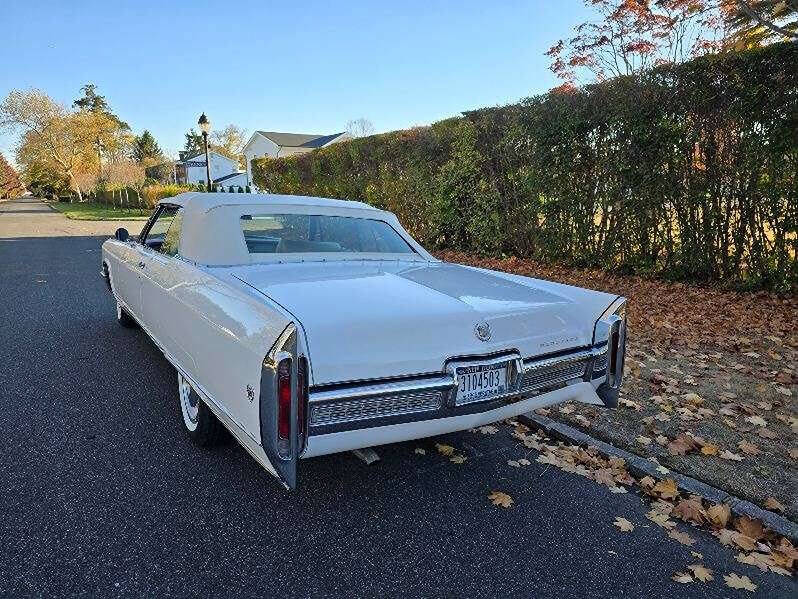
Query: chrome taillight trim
<point x="616" y="351"/>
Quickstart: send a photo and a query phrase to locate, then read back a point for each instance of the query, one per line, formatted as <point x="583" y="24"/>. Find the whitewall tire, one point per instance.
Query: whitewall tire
<point x="198" y="420"/>
<point x="122" y="316"/>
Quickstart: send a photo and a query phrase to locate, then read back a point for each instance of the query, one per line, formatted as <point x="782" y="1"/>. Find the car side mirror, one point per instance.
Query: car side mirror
<point x="121" y="234"/>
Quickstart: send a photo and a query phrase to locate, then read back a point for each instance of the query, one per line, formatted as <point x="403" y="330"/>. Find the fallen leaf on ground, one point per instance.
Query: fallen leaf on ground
<point x="682" y="578"/>
<point x="682" y="537"/>
<point x="693" y="398"/>
<point x="643" y="440"/>
<point x="488" y="429"/>
<point x="446" y="450"/>
<point x="757" y="420"/>
<point x="732" y="457"/>
<point x="681" y="445"/>
<point x="741" y="540"/>
<point x="748" y="447"/>
<point x="420" y="451"/>
<point x="513" y="463"/>
<point x="660" y="519"/>
<point x="647" y="482"/>
<point x="701" y="572"/>
<point x="709" y="449"/>
<point x="623" y="524"/>
<point x="750" y="527"/>
<point x="667" y="489"/>
<point x="766" y="433"/>
<point x="736" y="581"/>
<point x="774" y="504"/>
<point x="501" y="498"/>
<point x="690" y="510"/>
<point x="458" y="459"/>
<point x="630" y="404"/>
<point x="663" y="507"/>
<point x="719" y="514"/>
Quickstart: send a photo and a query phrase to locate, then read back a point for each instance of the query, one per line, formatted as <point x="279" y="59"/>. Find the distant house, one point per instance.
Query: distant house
<point x="224" y="171"/>
<point x="279" y="145"/>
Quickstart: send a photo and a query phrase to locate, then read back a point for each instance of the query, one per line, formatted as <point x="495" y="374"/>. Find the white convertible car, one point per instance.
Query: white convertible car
<point x="309" y="326"/>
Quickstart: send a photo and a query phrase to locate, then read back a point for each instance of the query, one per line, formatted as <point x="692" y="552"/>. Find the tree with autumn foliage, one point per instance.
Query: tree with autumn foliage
<point x="10" y="184"/>
<point x="61" y="144"/>
<point x="630" y="36"/>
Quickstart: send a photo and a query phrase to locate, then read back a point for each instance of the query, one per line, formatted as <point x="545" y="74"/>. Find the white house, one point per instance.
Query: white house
<point x="279" y="145"/>
<point x="224" y="170"/>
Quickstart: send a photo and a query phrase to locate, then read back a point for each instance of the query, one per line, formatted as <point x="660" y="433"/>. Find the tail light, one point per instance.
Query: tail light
<point x="284" y="401"/>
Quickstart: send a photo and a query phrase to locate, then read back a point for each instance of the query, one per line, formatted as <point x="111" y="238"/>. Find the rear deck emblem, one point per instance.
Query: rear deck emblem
<point x="482" y="331"/>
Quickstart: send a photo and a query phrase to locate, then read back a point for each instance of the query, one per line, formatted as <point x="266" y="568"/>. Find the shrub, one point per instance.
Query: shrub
<point x="153" y="193"/>
<point x="685" y="172"/>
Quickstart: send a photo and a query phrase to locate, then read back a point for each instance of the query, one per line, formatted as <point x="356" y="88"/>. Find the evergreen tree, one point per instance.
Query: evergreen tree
<point x="194" y="143"/>
<point x="146" y="148"/>
<point x="91" y="101"/>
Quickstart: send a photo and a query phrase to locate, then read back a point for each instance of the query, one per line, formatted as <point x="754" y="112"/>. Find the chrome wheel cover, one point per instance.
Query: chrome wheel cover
<point x="189" y="402"/>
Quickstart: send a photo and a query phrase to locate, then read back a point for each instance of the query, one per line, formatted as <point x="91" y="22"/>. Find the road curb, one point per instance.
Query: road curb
<point x="643" y="467"/>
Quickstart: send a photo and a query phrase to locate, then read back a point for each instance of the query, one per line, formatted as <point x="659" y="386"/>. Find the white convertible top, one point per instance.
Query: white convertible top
<point x="211" y="230"/>
<point x="197" y="201"/>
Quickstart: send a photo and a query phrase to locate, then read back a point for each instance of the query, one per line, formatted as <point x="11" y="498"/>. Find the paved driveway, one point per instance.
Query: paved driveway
<point x="101" y="493"/>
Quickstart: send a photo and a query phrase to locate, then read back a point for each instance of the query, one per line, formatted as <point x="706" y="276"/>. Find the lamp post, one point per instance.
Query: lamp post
<point x="205" y="125"/>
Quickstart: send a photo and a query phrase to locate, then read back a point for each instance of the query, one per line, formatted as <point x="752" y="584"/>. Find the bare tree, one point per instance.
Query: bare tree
<point x="361" y="127"/>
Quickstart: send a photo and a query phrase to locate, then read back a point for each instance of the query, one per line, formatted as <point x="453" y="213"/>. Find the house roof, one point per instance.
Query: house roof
<point x="299" y="140"/>
<point x="230" y="176"/>
<point x="202" y="154"/>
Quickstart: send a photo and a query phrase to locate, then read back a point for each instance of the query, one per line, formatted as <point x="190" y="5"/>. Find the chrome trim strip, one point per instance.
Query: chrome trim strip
<point x="437" y="383"/>
<point x="535" y="364"/>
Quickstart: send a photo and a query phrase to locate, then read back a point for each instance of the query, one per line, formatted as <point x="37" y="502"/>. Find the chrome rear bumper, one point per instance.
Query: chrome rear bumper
<point x="337" y="408"/>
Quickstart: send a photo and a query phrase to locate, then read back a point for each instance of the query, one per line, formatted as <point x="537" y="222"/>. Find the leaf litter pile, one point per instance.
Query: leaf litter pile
<point x="710" y="386"/>
<point x="670" y="509"/>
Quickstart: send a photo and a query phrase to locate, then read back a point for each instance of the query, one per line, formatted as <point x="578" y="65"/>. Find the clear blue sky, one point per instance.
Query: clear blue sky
<point x="302" y="67"/>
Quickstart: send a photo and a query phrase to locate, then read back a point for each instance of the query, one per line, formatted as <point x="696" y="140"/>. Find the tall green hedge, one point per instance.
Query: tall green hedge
<point x="686" y="172"/>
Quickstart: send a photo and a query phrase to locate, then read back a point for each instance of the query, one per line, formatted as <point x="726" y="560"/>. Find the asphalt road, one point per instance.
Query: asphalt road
<point x="102" y="494"/>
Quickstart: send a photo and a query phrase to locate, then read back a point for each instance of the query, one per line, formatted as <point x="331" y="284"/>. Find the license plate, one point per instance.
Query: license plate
<point x="480" y="382"/>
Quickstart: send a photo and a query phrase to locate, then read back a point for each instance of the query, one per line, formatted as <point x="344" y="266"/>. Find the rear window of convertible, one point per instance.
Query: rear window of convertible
<point x="311" y="233"/>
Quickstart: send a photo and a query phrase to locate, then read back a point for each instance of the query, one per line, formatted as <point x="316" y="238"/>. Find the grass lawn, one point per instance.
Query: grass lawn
<point x="97" y="211"/>
<point x="711" y="381"/>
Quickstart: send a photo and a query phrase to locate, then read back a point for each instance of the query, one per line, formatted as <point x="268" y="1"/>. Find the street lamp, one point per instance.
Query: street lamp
<point x="205" y="125"/>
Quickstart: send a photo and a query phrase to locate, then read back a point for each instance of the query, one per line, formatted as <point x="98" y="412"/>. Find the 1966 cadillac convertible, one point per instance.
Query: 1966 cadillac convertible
<point x="309" y="326"/>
